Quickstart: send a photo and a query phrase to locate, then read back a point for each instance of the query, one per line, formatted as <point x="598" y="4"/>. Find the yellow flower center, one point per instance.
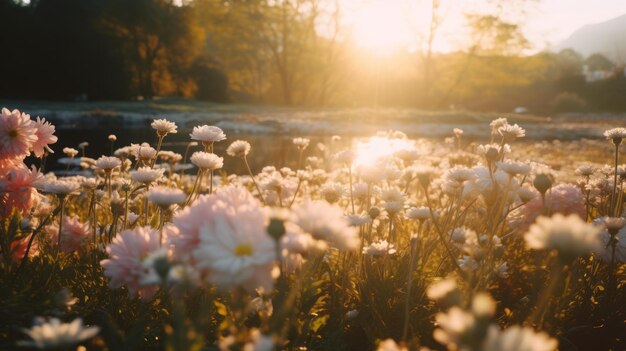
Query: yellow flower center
<point x="243" y="250"/>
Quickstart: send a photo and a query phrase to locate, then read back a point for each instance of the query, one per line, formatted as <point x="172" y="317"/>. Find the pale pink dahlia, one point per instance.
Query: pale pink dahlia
<point x="565" y="199"/>
<point x="224" y="237"/>
<point x="74" y="234"/>
<point x="17" y="190"/>
<point x="18" y="249"/>
<point x="125" y="266"/>
<point x="45" y="136"/>
<point x="17" y="134"/>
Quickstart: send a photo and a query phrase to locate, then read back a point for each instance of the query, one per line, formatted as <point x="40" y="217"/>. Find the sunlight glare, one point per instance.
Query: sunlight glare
<point x="380" y="27"/>
<point x="371" y="151"/>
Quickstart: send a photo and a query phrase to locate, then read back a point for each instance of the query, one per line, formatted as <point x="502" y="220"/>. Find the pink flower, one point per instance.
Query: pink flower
<point x="73" y="236"/>
<point x="223" y="236"/>
<point x="18" y="249"/>
<point x="45" y="136"/>
<point x="7" y="164"/>
<point x="17" y="134"/>
<point x="17" y="190"/>
<point x="565" y="199"/>
<point x="125" y="265"/>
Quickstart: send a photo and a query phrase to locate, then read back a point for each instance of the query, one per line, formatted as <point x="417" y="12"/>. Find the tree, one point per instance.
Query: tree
<point x="156" y="37"/>
<point x="599" y="62"/>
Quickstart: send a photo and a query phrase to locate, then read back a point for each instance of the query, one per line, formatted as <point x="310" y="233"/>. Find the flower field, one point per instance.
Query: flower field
<point x="381" y="243"/>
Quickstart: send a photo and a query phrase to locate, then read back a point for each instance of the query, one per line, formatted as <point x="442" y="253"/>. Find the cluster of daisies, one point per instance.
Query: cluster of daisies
<point x="166" y="224"/>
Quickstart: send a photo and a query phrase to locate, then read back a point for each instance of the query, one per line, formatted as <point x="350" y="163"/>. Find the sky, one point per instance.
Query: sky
<point x="385" y="24"/>
<point x="555" y="20"/>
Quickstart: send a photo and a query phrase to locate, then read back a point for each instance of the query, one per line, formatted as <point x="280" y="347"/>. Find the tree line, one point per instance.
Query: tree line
<point x="260" y="51"/>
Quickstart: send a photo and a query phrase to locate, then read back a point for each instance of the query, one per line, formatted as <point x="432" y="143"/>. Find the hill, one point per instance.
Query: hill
<point x="607" y="38"/>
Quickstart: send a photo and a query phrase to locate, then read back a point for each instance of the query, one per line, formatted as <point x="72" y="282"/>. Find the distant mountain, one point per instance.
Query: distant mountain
<point x="607" y="38"/>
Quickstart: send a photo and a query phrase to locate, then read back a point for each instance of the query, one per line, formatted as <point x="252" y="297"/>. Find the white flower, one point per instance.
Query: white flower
<point x="71" y="152"/>
<point x="163" y="196"/>
<point x="60" y="187"/>
<point x="511" y="132"/>
<point x="326" y="222"/>
<point x="459" y="174"/>
<point x="170" y="156"/>
<point x="461" y="234"/>
<point x="301" y="143"/>
<point x="207" y="134"/>
<point x="585" y="170"/>
<point x="615" y="134"/>
<point x="259" y="342"/>
<point x="296" y="241"/>
<point x="332" y="192"/>
<point x="483" y="305"/>
<point x="108" y="162"/>
<point x="112" y="137"/>
<point x="146" y="175"/>
<point x="379" y="248"/>
<point x="390" y="345"/>
<point x="458" y="132"/>
<point x="144" y="152"/>
<point x="453" y="326"/>
<point x="526" y="193"/>
<point x="238" y="148"/>
<point x="234" y="246"/>
<point x="605" y="251"/>
<point x="441" y="289"/>
<point x="570" y="235"/>
<point x="518" y="338"/>
<point x="164" y="127"/>
<point x="53" y="334"/>
<point x="493" y="151"/>
<point x="206" y="160"/>
<point x="419" y="213"/>
<point x="358" y="220"/>
<point x="497" y="123"/>
<point x="393" y="200"/>
<point x="360" y="191"/>
<point x="514" y="168"/>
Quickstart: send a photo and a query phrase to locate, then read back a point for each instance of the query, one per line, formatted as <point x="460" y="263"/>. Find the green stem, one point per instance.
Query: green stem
<point x="245" y="161"/>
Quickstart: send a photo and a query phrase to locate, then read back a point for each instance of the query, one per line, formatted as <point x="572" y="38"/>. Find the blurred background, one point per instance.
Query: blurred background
<point x="537" y="56"/>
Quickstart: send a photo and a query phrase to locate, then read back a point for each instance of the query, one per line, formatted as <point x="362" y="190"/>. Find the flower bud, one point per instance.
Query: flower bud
<point x="542" y="183"/>
<point x="374" y="212"/>
<point x="276" y="228"/>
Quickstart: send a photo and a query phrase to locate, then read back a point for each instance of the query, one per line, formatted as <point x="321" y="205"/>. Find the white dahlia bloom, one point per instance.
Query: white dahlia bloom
<point x="54" y="334"/>
<point x="518" y="338"/>
<point x="326" y="222"/>
<point x="60" y="187"/>
<point x="570" y="236"/>
<point x="301" y="143"/>
<point x="231" y="246"/>
<point x="239" y="148"/>
<point x="207" y="161"/>
<point x="146" y="175"/>
<point x="207" y="134"/>
<point x="164" y="196"/>
<point x="108" y="162"/>
<point x="511" y="132"/>
<point x="164" y="127"/>
<point x="379" y="248"/>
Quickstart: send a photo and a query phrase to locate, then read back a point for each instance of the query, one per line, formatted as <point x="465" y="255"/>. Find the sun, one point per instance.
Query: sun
<point x="381" y="26"/>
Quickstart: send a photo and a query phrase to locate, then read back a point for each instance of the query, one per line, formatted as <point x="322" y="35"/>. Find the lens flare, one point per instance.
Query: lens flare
<point x="372" y="150"/>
